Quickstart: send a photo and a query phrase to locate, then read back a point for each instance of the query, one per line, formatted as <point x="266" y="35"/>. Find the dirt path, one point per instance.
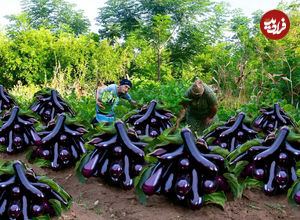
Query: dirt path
<point x="97" y="200"/>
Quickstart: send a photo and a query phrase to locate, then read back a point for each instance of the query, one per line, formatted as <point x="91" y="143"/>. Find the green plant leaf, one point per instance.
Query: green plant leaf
<point x="217" y="198"/>
<point x="139" y="181"/>
<point x="221" y="151"/>
<point x="143" y="175"/>
<point x="236" y="188"/>
<point x="7" y="168"/>
<point x="41" y="163"/>
<point x="152" y="144"/>
<point x="251" y="182"/>
<point x="42" y="217"/>
<point x="102" y="128"/>
<point x="57" y="188"/>
<point x="57" y="206"/>
<point x="2" y="163"/>
<point x="28" y="155"/>
<point x="292" y="191"/>
<point x="210" y="140"/>
<point x="173" y="139"/>
<point x="141" y="196"/>
<point x="129" y="114"/>
<point x="146" y="139"/>
<point x="212" y="127"/>
<point x="79" y="165"/>
<point x="2" y="148"/>
<point x="150" y="159"/>
<point x="238" y="167"/>
<point x="244" y="147"/>
<point x="293" y="138"/>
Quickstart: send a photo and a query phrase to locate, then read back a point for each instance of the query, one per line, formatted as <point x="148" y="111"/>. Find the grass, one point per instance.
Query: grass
<point x="277" y="207"/>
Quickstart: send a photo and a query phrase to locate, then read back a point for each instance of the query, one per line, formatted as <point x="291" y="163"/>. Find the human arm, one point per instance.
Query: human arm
<point x="130" y="100"/>
<point x="134" y="103"/>
<point x="179" y="118"/>
<point x="212" y="113"/>
<point x="98" y="99"/>
<point x="212" y="101"/>
<point x="100" y="91"/>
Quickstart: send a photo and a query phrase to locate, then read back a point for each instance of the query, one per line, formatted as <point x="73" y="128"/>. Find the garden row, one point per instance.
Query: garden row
<point x="140" y="152"/>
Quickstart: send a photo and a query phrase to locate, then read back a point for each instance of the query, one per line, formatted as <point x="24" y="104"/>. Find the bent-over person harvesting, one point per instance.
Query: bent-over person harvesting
<point x="201" y="111"/>
<point x="108" y="98"/>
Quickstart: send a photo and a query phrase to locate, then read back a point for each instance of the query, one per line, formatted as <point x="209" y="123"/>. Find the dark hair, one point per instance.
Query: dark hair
<point x="125" y="82"/>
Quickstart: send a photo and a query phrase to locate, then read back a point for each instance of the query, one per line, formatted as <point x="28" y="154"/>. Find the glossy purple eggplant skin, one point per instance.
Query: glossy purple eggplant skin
<point x="58" y="126"/>
<point x="196" y="200"/>
<point x="121" y="131"/>
<point x="284" y="131"/>
<point x="194" y="152"/>
<point x="23" y="197"/>
<point x="269" y="186"/>
<point x="271" y="120"/>
<point x="19" y="169"/>
<point x="297" y="197"/>
<point x="186" y="172"/>
<point x="151" y="121"/>
<point x="90" y="166"/>
<point x="17" y="131"/>
<point x="121" y="157"/>
<point x="151" y="184"/>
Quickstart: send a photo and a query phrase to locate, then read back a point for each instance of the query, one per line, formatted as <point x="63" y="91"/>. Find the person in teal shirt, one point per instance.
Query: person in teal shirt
<point x="108" y="98"/>
<point x="201" y="110"/>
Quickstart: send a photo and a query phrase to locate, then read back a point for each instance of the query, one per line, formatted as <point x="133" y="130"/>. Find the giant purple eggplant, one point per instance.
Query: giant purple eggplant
<point x="185" y="172"/>
<point x="231" y="134"/>
<point x="6" y="101"/>
<point x="61" y="143"/>
<point x="121" y="156"/>
<point x="17" y="131"/>
<point x="27" y="196"/>
<point x="273" y="162"/>
<point x="49" y="105"/>
<point x="272" y="119"/>
<point x="150" y="120"/>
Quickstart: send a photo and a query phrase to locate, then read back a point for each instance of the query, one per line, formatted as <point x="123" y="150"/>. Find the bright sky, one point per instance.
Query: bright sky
<point x="91" y="7"/>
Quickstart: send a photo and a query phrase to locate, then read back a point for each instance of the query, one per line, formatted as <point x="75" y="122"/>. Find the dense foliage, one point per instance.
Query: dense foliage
<point x="56" y="15"/>
<point x="162" y="46"/>
<point x="167" y="44"/>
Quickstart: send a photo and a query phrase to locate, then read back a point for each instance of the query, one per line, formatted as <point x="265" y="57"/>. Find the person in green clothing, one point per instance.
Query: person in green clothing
<point x="201" y="111"/>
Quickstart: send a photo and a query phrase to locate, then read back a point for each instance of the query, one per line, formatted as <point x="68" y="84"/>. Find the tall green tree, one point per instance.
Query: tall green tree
<point x="178" y="26"/>
<point x="119" y="18"/>
<point x="56" y="15"/>
<point x="160" y="36"/>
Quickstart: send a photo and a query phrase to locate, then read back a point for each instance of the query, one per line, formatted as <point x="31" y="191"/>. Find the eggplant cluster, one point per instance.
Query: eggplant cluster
<point x="6" y="101"/>
<point x="49" y="105"/>
<point x="118" y="158"/>
<point x="233" y="134"/>
<point x="272" y="119"/>
<point x="17" y="131"/>
<point x="273" y="162"/>
<point x="186" y="172"/>
<point x="62" y="143"/>
<point x="23" y="195"/>
<point x="150" y="121"/>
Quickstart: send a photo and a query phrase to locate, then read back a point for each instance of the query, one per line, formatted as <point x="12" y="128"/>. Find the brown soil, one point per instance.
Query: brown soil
<point x="97" y="200"/>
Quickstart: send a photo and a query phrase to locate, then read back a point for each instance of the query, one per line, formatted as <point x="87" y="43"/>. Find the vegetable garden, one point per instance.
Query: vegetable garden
<point x="260" y="151"/>
<point x="55" y="164"/>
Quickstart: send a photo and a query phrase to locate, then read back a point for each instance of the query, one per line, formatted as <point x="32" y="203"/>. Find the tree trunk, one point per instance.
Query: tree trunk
<point x="158" y="64"/>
